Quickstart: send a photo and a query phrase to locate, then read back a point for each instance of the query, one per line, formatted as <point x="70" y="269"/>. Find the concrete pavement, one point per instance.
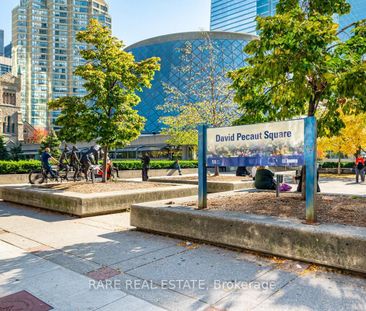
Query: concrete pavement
<point x="101" y="263"/>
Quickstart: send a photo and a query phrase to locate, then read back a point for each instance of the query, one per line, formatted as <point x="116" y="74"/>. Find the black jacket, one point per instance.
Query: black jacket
<point x="264" y="179"/>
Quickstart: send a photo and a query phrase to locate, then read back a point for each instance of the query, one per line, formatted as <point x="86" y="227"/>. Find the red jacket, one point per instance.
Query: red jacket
<point x="360" y="159"/>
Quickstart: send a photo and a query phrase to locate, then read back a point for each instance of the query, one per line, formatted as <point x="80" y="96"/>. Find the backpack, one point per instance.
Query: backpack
<point x="359" y="166"/>
<point x="285" y="187"/>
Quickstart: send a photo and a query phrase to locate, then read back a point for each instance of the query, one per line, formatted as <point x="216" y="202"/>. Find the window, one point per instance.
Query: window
<point x="81" y="3"/>
<point x="9" y="98"/>
<point x="8" y="124"/>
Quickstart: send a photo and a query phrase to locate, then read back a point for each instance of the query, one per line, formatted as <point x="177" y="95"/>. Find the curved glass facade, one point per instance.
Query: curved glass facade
<point x="228" y="51"/>
<point x="358" y="12"/>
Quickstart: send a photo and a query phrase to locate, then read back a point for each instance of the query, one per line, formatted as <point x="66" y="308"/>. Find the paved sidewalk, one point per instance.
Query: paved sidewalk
<point x="346" y="186"/>
<point x="57" y="286"/>
<point x="100" y="263"/>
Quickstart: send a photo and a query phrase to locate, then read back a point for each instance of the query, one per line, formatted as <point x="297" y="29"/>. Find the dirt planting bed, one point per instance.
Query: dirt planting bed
<point x="104" y="187"/>
<point x="345" y="210"/>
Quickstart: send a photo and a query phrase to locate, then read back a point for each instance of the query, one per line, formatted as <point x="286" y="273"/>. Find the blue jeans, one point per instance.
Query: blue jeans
<point x="49" y="170"/>
<point x="361" y="173"/>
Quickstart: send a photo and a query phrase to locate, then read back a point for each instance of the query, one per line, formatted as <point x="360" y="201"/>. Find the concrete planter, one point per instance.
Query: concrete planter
<point x="332" y="245"/>
<point x="80" y="204"/>
<point x="212" y="186"/>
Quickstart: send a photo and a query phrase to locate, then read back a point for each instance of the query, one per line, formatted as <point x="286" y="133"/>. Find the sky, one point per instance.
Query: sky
<point x="135" y="20"/>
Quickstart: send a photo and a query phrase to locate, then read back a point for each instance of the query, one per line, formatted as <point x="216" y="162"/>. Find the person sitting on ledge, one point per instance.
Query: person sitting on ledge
<point x="264" y="179"/>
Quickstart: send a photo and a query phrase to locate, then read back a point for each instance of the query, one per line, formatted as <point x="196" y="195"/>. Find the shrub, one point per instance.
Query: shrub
<point x="18" y="167"/>
<point x="335" y="165"/>
<point x="25" y="166"/>
<point x="154" y="164"/>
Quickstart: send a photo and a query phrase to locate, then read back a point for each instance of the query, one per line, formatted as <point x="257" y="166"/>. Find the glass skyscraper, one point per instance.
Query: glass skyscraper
<point x="5" y="65"/>
<point x="239" y="15"/>
<point x="7" y="50"/>
<point x="45" y="51"/>
<point x="1" y="42"/>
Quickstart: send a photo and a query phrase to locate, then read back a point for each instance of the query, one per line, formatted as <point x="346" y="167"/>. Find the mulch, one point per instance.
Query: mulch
<point x="84" y="187"/>
<point x="345" y="210"/>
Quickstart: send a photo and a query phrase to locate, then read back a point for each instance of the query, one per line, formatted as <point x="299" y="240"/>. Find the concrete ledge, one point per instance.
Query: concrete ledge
<point x="90" y="204"/>
<point x="155" y="172"/>
<point x="212" y="186"/>
<point x="14" y="179"/>
<point x="332" y="245"/>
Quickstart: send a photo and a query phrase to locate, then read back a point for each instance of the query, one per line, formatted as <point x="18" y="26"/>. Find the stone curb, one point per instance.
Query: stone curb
<point x="326" y="244"/>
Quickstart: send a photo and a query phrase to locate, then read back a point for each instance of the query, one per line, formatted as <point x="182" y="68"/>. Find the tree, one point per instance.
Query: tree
<point x="201" y="96"/>
<point x="38" y="135"/>
<point x="51" y="141"/>
<point x="112" y="78"/>
<point x="4" y="154"/>
<point x="350" y="139"/>
<point x="299" y="66"/>
<point x="16" y="152"/>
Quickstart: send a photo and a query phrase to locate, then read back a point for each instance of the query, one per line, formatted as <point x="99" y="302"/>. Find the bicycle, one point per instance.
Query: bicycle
<point x="38" y="177"/>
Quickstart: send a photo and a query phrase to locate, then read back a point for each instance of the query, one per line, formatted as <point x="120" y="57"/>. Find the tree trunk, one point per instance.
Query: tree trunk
<point x="339" y="164"/>
<point x="216" y="171"/>
<point x="105" y="157"/>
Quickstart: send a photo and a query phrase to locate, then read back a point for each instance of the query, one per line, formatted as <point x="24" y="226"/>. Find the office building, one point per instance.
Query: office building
<point x="45" y="52"/>
<point x="7" y="50"/>
<point x="1" y="42"/>
<point x="240" y="15"/>
<point x="228" y="49"/>
<point x="5" y="65"/>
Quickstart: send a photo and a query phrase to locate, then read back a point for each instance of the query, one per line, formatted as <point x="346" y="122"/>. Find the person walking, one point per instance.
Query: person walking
<point x="177" y="167"/>
<point x="360" y="168"/>
<point x="45" y="159"/>
<point x="145" y="167"/>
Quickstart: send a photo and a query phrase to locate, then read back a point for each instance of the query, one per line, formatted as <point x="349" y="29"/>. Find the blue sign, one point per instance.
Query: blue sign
<point x="265" y="144"/>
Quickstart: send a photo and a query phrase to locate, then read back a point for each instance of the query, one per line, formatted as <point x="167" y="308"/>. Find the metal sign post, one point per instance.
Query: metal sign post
<point x="202" y="168"/>
<point x="310" y="131"/>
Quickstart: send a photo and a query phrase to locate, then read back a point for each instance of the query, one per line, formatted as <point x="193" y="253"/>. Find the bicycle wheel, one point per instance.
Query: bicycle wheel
<point x="36" y="177"/>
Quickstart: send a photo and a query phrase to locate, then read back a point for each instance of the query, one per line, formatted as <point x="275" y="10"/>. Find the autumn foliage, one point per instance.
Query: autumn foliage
<point x="38" y="135"/>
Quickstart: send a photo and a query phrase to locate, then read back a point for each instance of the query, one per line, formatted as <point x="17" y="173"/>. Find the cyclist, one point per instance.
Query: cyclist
<point x="45" y="158"/>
